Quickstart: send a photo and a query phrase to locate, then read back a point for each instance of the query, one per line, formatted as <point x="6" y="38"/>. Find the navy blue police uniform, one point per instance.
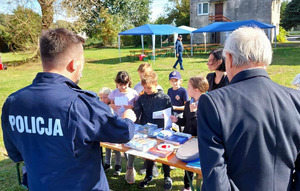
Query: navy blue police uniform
<point x="55" y="128"/>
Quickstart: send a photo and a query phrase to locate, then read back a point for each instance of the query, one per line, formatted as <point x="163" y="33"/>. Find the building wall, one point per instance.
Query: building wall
<point x="267" y="11"/>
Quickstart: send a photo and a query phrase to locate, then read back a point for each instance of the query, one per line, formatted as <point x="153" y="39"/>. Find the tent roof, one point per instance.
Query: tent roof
<point x="187" y="28"/>
<point x="231" y="26"/>
<point x="150" y="29"/>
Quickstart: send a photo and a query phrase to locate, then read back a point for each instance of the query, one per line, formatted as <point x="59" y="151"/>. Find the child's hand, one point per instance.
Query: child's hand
<point x="129" y="114"/>
<point x="193" y="107"/>
<point x="128" y="106"/>
<point x="174" y="119"/>
<point x="115" y="107"/>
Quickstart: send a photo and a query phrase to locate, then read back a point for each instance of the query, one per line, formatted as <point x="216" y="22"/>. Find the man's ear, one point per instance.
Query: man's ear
<point x="230" y="60"/>
<point x="72" y="65"/>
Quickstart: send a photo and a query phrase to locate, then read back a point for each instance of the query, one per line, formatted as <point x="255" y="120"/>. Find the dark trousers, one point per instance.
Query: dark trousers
<point x="149" y="167"/>
<point x="179" y="60"/>
<point x="186" y="179"/>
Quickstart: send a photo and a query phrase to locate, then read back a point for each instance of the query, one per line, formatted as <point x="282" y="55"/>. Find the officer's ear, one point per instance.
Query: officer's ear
<point x="73" y="64"/>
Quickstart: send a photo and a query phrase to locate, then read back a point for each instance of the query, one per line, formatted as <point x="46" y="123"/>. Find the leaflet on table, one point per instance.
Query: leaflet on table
<point x="149" y="129"/>
<point x="120" y="101"/>
<point x="174" y="139"/>
<point x="141" y="144"/>
<point x="164" y="114"/>
<point x="162" y="150"/>
<point x="194" y="164"/>
<point x="141" y="154"/>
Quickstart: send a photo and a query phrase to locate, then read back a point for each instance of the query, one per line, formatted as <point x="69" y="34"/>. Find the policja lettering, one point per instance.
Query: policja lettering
<point x="22" y="124"/>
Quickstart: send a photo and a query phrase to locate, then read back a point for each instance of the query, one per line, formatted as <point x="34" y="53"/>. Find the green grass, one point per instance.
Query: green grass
<point x="15" y="56"/>
<point x="100" y="69"/>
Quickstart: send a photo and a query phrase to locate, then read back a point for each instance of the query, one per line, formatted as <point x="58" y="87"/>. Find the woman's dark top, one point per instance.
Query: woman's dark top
<point x="211" y="81"/>
<point x="189" y="120"/>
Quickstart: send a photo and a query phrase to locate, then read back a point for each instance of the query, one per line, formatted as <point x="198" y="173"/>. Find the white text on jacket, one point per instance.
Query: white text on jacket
<point x="34" y="125"/>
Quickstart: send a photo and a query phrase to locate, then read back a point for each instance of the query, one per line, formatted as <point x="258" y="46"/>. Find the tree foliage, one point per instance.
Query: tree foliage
<point x="104" y="19"/>
<point x="177" y="11"/>
<point x="282" y="10"/>
<point x="291" y="15"/>
<point x="21" y="29"/>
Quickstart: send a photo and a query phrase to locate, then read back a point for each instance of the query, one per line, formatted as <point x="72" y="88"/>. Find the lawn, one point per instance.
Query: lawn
<point x="100" y="69"/>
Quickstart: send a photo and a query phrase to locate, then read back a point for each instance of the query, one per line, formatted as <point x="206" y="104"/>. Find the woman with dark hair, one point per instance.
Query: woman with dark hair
<point x="216" y="62"/>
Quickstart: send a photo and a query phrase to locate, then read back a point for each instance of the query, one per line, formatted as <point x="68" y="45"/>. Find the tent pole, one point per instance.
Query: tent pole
<point x="153" y="47"/>
<point x="142" y="39"/>
<point x="175" y="39"/>
<point x="161" y="41"/>
<point x="269" y="34"/>
<point x="275" y="36"/>
<point x="204" y="34"/>
<point x="192" y="34"/>
<point x="119" y="41"/>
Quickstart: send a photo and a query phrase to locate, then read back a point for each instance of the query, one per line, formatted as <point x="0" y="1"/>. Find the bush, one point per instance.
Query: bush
<point x="282" y="35"/>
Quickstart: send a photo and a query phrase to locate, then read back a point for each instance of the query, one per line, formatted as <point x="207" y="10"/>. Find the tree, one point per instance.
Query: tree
<point x="292" y="15"/>
<point x="282" y="10"/>
<point x="100" y="18"/>
<point x="47" y="13"/>
<point x="21" y="30"/>
<point x="177" y="11"/>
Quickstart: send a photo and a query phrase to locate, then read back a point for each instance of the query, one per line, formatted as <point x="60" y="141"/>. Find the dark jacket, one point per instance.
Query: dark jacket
<point x="249" y="135"/>
<point x="211" y="81"/>
<point x="56" y="128"/>
<point x="189" y="120"/>
<point x="178" y="47"/>
<point x="147" y="104"/>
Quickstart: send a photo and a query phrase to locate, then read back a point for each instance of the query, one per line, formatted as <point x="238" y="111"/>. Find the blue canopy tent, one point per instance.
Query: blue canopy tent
<point x="231" y="26"/>
<point x="150" y="29"/>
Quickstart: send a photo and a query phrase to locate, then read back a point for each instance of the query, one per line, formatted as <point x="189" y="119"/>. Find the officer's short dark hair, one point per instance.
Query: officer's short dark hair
<point x="56" y="42"/>
<point x="218" y="56"/>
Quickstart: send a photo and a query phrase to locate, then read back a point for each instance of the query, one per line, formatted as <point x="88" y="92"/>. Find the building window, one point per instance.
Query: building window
<point x="203" y="8"/>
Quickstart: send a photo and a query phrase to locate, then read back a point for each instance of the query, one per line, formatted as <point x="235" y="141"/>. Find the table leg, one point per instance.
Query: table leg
<point x="198" y="182"/>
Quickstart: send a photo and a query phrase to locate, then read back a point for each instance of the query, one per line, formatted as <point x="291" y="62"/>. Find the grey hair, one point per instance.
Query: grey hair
<point x="249" y="45"/>
<point x="105" y="90"/>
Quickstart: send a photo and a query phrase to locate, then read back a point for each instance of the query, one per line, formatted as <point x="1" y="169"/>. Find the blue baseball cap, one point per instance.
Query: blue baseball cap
<point x="175" y="75"/>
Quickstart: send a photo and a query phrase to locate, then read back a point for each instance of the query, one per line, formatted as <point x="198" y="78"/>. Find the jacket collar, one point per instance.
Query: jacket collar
<point x="249" y="73"/>
<point x="54" y="78"/>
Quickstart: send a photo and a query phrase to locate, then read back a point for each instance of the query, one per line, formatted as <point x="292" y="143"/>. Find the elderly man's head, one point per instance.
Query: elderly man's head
<point x="247" y="47"/>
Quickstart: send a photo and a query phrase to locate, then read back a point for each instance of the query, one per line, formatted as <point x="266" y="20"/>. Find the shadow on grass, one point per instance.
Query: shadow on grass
<point x="112" y="61"/>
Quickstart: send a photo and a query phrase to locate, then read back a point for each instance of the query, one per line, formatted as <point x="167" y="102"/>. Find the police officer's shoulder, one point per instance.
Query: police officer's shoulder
<point x="86" y="92"/>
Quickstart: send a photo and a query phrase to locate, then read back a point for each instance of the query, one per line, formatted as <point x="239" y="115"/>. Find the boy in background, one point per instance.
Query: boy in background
<point x="143" y="69"/>
<point x="178" y="94"/>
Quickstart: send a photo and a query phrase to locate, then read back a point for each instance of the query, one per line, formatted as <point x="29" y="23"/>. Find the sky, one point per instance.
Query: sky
<point x="157" y="8"/>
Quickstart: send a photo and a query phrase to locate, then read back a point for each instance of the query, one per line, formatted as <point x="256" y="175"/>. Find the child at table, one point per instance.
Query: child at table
<point x="103" y="95"/>
<point x="144" y="68"/>
<point x="177" y="94"/>
<point x="152" y="100"/>
<point x="122" y="98"/>
<point x="196" y="87"/>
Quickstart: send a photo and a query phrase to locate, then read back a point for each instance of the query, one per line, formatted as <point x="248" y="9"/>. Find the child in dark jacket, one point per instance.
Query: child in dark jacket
<point x="152" y="100"/>
<point x="196" y="87"/>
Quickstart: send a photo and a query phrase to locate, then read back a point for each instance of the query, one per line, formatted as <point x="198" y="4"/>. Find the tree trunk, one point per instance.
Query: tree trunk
<point x="47" y="13"/>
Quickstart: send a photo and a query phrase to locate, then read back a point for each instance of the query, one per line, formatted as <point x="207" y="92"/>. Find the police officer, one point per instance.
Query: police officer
<point x="178" y="51"/>
<point x="55" y="127"/>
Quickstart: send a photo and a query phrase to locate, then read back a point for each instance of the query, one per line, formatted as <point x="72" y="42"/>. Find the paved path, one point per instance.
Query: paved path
<point x="295" y="38"/>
